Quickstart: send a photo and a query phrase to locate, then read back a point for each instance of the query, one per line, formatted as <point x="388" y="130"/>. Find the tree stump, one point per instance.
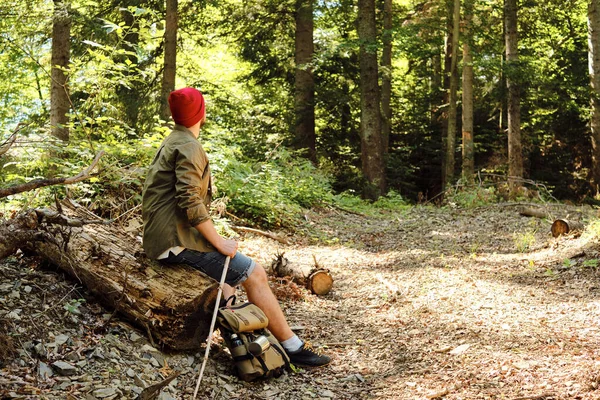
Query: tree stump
<point x="173" y="304"/>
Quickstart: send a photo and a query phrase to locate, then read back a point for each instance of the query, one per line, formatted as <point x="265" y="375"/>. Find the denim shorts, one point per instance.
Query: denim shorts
<point x="212" y="263"/>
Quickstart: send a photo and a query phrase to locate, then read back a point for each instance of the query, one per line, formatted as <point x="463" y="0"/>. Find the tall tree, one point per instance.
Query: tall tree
<point x="468" y="147"/>
<point x="515" y="153"/>
<point x="372" y="159"/>
<point x="594" y="71"/>
<point x="449" y="163"/>
<point x="304" y="80"/>
<point x="128" y="95"/>
<point x="386" y="75"/>
<point x="59" y="92"/>
<point x="170" y="63"/>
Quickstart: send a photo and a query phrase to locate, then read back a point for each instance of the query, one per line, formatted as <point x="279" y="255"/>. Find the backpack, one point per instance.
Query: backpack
<point x="255" y="351"/>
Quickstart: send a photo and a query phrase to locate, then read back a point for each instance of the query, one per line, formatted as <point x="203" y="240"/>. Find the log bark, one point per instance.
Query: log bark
<point x="316" y="279"/>
<point x="172" y="303"/>
<point x="564" y="226"/>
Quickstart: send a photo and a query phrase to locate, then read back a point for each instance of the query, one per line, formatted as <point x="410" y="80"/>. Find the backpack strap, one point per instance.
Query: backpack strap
<point x="262" y="364"/>
<point x="233" y="298"/>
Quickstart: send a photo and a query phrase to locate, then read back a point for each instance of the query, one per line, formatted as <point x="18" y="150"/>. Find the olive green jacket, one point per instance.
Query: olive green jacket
<point x="177" y="195"/>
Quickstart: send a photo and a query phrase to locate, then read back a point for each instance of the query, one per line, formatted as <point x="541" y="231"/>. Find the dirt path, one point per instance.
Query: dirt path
<point x="474" y="304"/>
<point x="427" y="303"/>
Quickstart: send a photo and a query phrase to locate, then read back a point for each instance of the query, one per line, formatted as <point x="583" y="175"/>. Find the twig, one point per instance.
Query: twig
<point x="4" y="147"/>
<point x="346" y="210"/>
<point x="126" y="212"/>
<point x="8" y="382"/>
<point x="56" y="304"/>
<point x="59" y="219"/>
<point x="21" y="344"/>
<point x="545" y="396"/>
<point x="257" y="231"/>
<point x="150" y="339"/>
<point x="152" y="391"/>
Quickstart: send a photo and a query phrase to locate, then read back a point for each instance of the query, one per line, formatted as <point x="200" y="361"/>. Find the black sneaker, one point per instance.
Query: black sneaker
<point x="308" y="357"/>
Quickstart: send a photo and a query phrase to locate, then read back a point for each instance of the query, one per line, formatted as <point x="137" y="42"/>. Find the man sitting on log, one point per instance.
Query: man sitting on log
<point x="178" y="228"/>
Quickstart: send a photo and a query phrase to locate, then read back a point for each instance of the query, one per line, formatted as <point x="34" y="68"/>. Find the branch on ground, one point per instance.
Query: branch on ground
<point x="38" y="183"/>
<point x="259" y="232"/>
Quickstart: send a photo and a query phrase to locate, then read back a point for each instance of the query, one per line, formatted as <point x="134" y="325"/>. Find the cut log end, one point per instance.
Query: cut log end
<point x="563" y="227"/>
<point x="320" y="282"/>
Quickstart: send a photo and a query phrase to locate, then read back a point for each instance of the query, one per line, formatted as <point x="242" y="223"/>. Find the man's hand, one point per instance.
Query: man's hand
<point x="227" y="247"/>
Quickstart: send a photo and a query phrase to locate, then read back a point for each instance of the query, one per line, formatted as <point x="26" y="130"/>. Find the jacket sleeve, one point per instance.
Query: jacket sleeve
<point x="192" y="182"/>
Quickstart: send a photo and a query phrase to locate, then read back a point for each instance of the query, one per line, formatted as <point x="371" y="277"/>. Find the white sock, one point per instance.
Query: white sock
<point x="292" y="344"/>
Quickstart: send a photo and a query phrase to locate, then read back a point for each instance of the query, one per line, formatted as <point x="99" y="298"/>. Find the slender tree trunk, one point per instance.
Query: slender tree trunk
<point x="370" y="115"/>
<point x="59" y="92"/>
<point x="169" y="72"/>
<point x="129" y="94"/>
<point x="444" y="115"/>
<point x="305" y="82"/>
<point x="594" y="70"/>
<point x="515" y="156"/>
<point x="468" y="147"/>
<point x="437" y="97"/>
<point x="386" y="76"/>
<point x="452" y="103"/>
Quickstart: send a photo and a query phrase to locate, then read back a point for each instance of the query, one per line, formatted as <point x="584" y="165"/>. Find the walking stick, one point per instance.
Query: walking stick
<point x="212" y="324"/>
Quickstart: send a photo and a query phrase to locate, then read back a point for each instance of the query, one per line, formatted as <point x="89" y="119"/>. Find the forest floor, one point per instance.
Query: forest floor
<point x="427" y="303"/>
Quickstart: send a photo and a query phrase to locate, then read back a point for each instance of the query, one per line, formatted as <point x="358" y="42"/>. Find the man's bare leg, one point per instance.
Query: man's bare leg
<point x="258" y="291"/>
<point x="228" y="291"/>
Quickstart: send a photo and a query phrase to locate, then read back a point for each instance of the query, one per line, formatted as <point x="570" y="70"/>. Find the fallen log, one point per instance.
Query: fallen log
<point x="532" y="212"/>
<point x="172" y="303"/>
<point x="564" y="226"/>
<point x="316" y="279"/>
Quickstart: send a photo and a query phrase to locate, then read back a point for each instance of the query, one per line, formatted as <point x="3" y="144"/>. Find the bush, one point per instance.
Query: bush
<point x="273" y="193"/>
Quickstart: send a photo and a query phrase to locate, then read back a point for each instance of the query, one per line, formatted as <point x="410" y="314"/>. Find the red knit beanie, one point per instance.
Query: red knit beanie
<point x="187" y="106"/>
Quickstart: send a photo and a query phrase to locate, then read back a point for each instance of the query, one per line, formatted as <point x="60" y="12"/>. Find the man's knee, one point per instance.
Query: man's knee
<point x="257" y="277"/>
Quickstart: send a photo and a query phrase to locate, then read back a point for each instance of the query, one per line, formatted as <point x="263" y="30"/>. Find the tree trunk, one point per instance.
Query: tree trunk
<point x="373" y="166"/>
<point x="170" y="63"/>
<point x="594" y="70"/>
<point x="452" y="100"/>
<point x="515" y="156"/>
<point x="468" y="146"/>
<point x="447" y="72"/>
<point x="305" y="82"/>
<point x="59" y="92"/>
<point x="172" y="303"/>
<point x="437" y="97"/>
<point x="129" y="94"/>
<point x="386" y="76"/>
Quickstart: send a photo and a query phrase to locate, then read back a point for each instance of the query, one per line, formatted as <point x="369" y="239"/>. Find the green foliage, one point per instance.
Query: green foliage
<point x="476" y="196"/>
<point x="271" y="193"/>
<point x="350" y="200"/>
<point x="72" y="306"/>
<point x="524" y="240"/>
